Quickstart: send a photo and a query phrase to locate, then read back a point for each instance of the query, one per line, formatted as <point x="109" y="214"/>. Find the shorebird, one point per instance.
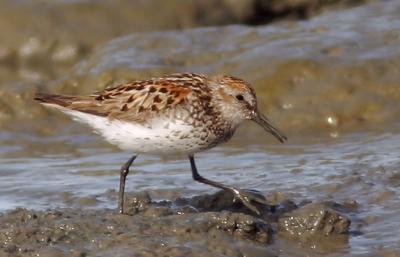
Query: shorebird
<point x="183" y="113"/>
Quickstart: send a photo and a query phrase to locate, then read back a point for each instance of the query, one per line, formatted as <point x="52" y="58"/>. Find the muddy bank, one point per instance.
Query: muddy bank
<point x="45" y="38"/>
<point x="91" y="22"/>
<point x="185" y="227"/>
<point x="333" y="74"/>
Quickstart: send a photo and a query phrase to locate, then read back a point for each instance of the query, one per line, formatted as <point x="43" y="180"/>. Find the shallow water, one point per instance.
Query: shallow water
<point x="359" y="168"/>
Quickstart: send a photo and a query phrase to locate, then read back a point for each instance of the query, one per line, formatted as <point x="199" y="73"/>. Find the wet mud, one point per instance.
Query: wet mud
<point x="205" y="225"/>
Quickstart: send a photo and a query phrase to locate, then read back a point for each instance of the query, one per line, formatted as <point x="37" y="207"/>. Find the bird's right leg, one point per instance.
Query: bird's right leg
<point x="245" y="196"/>
<point x="124" y="173"/>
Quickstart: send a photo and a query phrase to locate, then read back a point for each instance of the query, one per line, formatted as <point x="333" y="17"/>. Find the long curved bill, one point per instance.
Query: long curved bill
<point x="261" y="120"/>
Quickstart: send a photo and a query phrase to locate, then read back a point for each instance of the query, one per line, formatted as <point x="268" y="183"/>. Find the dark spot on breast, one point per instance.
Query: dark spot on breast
<point x="170" y="100"/>
<point x="181" y="101"/>
<point x="152" y="89"/>
<point x="141" y="109"/>
<point x="209" y="111"/>
<point x="130" y="99"/>
<point x="163" y="90"/>
<point x="205" y="98"/>
<point x="154" y="108"/>
<point x="197" y="90"/>
<point x="157" y="99"/>
<point x="107" y="96"/>
<point x="124" y="108"/>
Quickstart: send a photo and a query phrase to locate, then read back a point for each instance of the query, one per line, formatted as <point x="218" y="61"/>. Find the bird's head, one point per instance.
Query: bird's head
<point x="238" y="102"/>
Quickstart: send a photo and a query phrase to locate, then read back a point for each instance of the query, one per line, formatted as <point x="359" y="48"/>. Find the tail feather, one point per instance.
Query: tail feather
<point x="67" y="102"/>
<point x="60" y="100"/>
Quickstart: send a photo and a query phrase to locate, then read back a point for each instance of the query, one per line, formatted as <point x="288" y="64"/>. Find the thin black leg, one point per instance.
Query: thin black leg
<point x="122" y="179"/>
<point x="199" y="178"/>
<point x="245" y="196"/>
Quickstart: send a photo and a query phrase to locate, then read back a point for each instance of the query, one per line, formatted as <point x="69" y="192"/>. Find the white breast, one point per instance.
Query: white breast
<point x="162" y="136"/>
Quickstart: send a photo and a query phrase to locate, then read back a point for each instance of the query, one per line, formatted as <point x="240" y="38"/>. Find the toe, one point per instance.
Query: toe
<point x="254" y="195"/>
<point x="246" y="197"/>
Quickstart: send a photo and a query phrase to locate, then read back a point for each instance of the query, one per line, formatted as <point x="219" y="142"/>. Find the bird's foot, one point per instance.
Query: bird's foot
<point x="247" y="196"/>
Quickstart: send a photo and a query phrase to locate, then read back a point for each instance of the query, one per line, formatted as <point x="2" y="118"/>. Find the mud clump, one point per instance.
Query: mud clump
<point x="219" y="201"/>
<point x="242" y="226"/>
<point x="315" y="226"/>
<point x="314" y="219"/>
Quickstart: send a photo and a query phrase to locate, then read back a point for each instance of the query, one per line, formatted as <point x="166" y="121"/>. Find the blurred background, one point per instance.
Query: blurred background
<point x="326" y="72"/>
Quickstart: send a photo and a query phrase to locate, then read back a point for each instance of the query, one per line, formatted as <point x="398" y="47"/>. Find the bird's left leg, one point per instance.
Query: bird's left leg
<point x="123" y="174"/>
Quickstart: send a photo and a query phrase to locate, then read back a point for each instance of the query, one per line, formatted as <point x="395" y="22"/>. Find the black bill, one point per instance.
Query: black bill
<point x="260" y="119"/>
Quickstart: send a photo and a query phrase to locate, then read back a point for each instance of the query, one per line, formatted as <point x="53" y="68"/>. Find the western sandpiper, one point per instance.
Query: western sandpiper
<point x="177" y="114"/>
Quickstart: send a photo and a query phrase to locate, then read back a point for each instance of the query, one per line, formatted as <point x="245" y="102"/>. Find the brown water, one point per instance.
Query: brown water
<point x="331" y="83"/>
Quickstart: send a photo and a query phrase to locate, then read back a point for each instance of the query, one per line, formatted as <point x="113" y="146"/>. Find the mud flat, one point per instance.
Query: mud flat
<point x="205" y="225"/>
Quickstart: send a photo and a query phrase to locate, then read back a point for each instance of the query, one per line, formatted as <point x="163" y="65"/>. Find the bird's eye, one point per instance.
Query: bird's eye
<point x="240" y="97"/>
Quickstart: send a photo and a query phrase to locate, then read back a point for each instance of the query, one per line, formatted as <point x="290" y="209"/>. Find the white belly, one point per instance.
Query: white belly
<point x="162" y="137"/>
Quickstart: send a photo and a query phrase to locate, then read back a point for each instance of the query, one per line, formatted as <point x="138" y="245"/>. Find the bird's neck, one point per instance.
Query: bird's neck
<point x="229" y="118"/>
